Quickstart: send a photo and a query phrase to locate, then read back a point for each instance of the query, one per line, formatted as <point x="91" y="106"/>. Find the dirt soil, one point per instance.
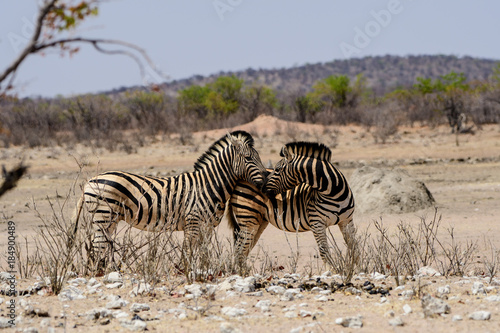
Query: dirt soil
<point x="464" y="180"/>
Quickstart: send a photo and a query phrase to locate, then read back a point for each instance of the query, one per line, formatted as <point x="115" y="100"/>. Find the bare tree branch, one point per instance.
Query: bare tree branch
<point x="34" y="39"/>
<point x="11" y="177"/>
<point x="35" y="46"/>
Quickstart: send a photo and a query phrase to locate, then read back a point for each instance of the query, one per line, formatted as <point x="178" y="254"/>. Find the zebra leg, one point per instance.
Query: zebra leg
<point x="348" y="231"/>
<point x="246" y="239"/>
<point x="102" y="243"/>
<point x="319" y="232"/>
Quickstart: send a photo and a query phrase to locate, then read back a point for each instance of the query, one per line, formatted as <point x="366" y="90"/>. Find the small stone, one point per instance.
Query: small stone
<point x="377" y="276"/>
<point x="456" y="318"/>
<point x="194" y="289"/>
<point x="134" y="325"/>
<point x="290" y="294"/>
<point x="433" y="306"/>
<point x="351" y="322"/>
<point x="443" y="290"/>
<point x="478" y="288"/>
<point x="256" y="294"/>
<point x="407" y="309"/>
<point x="396" y="321"/>
<point x="114" y="285"/>
<point x="352" y="291"/>
<point x="276" y="290"/>
<point x="228" y="328"/>
<point x="428" y="271"/>
<point x="408" y="294"/>
<point x="233" y="312"/>
<point x="116" y="304"/>
<point x="304" y="313"/>
<point x="138" y="307"/>
<point x="480" y="315"/>
<point x="113" y="277"/>
<point x="141" y="289"/>
<point x="493" y="298"/>
<point x="92" y="282"/>
<point x="4" y="322"/>
<point x="291" y="314"/>
<point x="70" y="293"/>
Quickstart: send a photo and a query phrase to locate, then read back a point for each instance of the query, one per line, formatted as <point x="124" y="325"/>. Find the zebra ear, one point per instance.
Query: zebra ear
<point x="285" y="153"/>
<point x="237" y="143"/>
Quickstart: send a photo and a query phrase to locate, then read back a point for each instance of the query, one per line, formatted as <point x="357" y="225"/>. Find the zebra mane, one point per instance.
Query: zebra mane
<point x="219" y="145"/>
<point x="309" y="149"/>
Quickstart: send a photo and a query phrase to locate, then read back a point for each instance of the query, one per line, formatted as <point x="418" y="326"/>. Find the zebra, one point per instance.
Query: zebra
<point x="176" y="203"/>
<point x="305" y="192"/>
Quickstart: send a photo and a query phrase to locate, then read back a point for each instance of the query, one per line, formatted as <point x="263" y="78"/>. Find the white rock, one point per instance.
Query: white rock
<point x="98" y="313"/>
<point x="396" y="321"/>
<point x="433" y="306"/>
<point x="480" y="315"/>
<point x="134" y="325"/>
<point x="255" y="293"/>
<point x="116" y="304"/>
<point x="113" y="277"/>
<point x="304" y="313"/>
<point x="428" y="271"/>
<point x="493" y="298"/>
<point x="70" y="293"/>
<point x="377" y="276"/>
<point x="194" y="289"/>
<point x="78" y="281"/>
<point x="456" y="318"/>
<point x="290" y="294"/>
<point x="291" y="314"/>
<point x="142" y="288"/>
<point x="263" y="303"/>
<point x="444" y="290"/>
<point x="233" y="312"/>
<point x="92" y="282"/>
<point x="114" y="285"/>
<point x="228" y="328"/>
<point x="321" y="298"/>
<point x="276" y="290"/>
<point x="407" y="309"/>
<point x="138" y="307"/>
<point x="351" y="322"/>
<point x="408" y="294"/>
<point x="6" y="277"/>
<point x="478" y="288"/>
<point x="4" y="322"/>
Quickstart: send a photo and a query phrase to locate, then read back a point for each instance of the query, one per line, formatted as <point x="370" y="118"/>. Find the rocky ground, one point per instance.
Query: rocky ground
<point x="464" y="181"/>
<point x="290" y="303"/>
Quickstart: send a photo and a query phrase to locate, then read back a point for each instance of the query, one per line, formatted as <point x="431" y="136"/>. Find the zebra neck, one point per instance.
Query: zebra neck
<point x="218" y="182"/>
<point x="321" y="176"/>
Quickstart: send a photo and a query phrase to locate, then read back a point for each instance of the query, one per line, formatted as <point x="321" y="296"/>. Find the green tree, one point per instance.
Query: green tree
<point x="332" y="90"/>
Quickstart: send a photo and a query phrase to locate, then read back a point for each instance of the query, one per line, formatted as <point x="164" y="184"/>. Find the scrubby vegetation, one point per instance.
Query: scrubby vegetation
<point x="122" y="121"/>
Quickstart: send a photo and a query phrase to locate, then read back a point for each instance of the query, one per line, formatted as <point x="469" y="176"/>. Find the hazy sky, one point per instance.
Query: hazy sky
<point x="191" y="37"/>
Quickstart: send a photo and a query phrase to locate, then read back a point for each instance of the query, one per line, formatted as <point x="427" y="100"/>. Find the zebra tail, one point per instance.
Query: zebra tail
<point x="232" y="223"/>
<point x="75" y="219"/>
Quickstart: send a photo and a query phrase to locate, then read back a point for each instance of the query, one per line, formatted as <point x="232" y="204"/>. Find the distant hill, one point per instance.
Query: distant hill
<point x="383" y="73"/>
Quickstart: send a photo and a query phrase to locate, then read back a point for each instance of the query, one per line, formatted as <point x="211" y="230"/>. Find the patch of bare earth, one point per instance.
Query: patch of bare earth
<point x="464" y="181"/>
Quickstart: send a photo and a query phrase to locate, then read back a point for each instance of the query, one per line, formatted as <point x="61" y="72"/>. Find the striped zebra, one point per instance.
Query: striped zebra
<point x="305" y="192"/>
<point x="176" y="203"/>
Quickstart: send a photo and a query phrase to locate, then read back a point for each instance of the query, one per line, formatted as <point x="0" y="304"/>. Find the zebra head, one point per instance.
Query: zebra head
<point x="296" y="166"/>
<point x="281" y="178"/>
<point x="246" y="162"/>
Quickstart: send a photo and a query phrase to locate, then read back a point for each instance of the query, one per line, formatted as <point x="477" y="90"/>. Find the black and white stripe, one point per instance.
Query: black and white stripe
<point x="181" y="202"/>
<point x="305" y="192"/>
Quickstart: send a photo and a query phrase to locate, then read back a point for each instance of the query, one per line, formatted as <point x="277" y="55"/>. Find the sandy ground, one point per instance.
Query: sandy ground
<point x="464" y="180"/>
